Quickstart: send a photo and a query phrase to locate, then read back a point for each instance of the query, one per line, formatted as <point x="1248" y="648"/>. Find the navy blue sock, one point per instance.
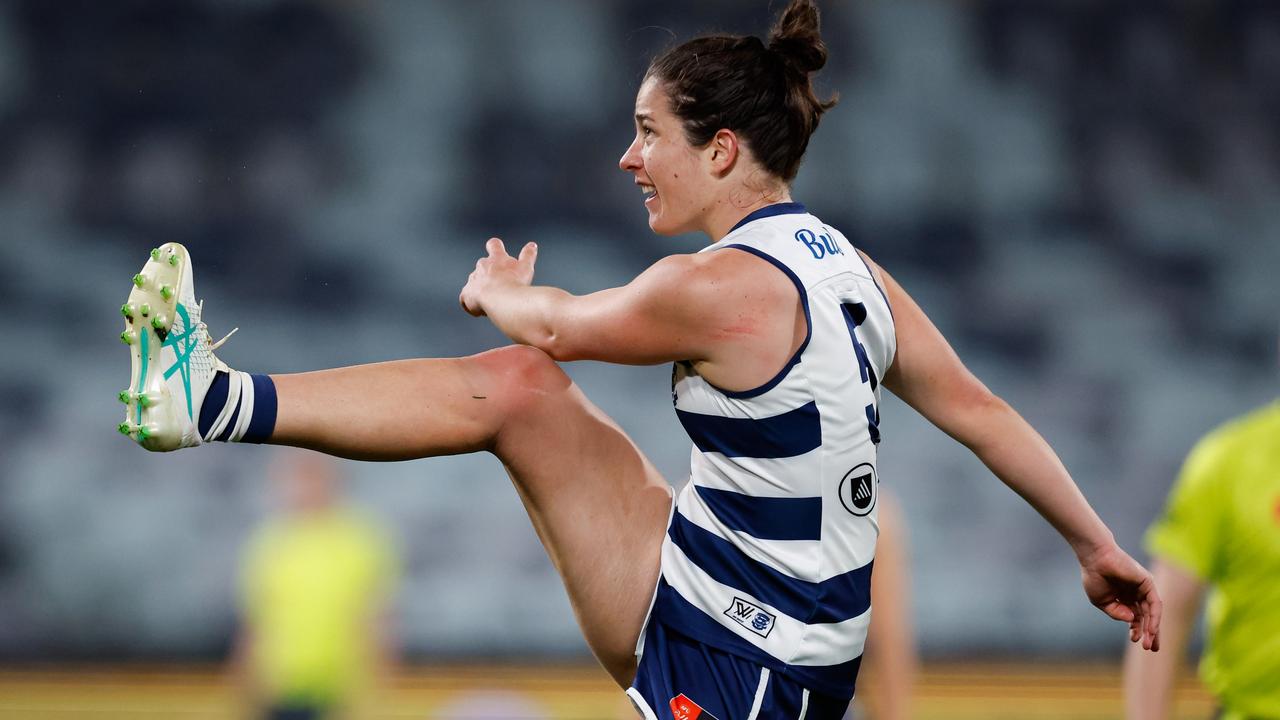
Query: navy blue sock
<point x="214" y="400"/>
<point x="263" y="421"/>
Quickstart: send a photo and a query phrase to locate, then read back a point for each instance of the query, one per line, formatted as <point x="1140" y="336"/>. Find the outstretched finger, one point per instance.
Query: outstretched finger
<point x="495" y="247"/>
<point x="1154" y="609"/>
<point x="1149" y="606"/>
<point x="529" y="253"/>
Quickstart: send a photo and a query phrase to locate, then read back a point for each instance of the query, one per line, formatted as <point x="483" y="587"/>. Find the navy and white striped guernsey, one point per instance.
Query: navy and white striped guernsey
<point x="769" y="550"/>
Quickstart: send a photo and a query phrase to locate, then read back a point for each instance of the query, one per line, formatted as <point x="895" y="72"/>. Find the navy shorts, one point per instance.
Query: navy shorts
<point x="682" y="679"/>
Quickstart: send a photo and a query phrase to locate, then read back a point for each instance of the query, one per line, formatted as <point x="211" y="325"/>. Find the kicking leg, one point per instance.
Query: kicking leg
<point x="396" y="410"/>
<point x="598" y="505"/>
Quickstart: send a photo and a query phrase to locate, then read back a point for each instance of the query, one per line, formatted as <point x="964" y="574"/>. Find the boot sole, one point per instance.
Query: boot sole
<point x="152" y="416"/>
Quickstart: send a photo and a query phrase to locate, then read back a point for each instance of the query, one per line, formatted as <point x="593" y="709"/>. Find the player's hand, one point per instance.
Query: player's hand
<point x="496" y="270"/>
<point x="1120" y="587"/>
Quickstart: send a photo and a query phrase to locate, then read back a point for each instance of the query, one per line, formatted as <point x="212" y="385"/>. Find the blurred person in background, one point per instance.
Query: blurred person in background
<point x="1219" y="537"/>
<point x="891" y="660"/>
<point x="316" y="585"/>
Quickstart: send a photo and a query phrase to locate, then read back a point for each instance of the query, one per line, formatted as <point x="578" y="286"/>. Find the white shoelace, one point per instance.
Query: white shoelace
<point x="201" y="327"/>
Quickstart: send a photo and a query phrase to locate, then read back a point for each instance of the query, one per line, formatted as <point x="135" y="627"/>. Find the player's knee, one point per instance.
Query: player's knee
<point x="526" y="377"/>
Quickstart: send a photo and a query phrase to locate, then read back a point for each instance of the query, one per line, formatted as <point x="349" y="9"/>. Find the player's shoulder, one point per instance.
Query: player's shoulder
<point x="749" y="270"/>
<point x="677" y="275"/>
<point x="724" y="272"/>
<point x="1236" y="440"/>
<point x="1262" y="423"/>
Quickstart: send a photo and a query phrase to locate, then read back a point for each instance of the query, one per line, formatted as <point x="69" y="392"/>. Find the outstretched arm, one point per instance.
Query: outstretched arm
<point x="643" y="322"/>
<point x="929" y="377"/>
<point x="706" y="308"/>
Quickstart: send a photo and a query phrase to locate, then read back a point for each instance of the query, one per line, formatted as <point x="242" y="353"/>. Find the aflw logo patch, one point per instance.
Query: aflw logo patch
<point x="751" y="617"/>
<point x="858" y="490"/>
<point x="685" y="709"/>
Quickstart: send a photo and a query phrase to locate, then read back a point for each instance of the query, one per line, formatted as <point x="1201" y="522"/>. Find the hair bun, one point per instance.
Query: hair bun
<point x="797" y="39"/>
<point x="799" y="54"/>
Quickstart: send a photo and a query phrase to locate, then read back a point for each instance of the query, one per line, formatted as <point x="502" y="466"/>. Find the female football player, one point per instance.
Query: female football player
<point x="749" y="596"/>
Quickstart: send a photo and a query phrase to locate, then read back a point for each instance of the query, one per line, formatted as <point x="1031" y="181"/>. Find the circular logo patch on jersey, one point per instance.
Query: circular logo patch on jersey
<point x="859" y="488"/>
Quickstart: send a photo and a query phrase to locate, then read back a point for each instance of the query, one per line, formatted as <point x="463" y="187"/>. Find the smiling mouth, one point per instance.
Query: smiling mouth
<point x="650" y="192"/>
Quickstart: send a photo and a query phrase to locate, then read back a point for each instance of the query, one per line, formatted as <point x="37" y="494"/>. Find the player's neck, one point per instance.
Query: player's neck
<point x="729" y="212"/>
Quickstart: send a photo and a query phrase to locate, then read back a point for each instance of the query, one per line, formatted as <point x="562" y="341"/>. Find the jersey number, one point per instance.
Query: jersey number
<point x="854" y="315"/>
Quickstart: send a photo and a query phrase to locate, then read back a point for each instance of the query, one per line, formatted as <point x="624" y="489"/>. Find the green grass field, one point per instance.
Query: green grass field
<point x="950" y="692"/>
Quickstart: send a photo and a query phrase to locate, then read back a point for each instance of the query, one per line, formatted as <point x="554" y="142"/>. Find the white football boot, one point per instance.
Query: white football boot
<point x="173" y="361"/>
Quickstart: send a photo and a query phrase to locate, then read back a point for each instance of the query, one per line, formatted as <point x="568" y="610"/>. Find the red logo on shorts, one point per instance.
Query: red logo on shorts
<point x="685" y="709"/>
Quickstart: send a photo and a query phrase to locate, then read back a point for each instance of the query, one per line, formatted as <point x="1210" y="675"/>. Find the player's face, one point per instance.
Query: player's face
<point x="666" y="167"/>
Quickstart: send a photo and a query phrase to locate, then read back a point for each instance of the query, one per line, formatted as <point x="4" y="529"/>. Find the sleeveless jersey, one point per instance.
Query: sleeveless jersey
<point x="769" y="550"/>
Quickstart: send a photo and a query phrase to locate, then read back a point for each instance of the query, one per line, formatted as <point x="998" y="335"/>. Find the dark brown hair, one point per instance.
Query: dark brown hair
<point x="763" y="93"/>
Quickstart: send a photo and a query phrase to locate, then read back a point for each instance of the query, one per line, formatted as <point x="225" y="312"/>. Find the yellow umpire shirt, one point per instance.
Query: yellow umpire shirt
<point x="1222" y="524"/>
<point x="312" y="587"/>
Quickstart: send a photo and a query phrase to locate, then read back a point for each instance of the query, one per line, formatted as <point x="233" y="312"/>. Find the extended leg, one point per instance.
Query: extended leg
<point x="397" y="410"/>
<point x="598" y="505"/>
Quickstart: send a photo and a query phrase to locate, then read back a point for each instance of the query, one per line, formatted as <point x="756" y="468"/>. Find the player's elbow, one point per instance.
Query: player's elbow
<point x="559" y="350"/>
<point x="979" y="415"/>
<point x="557" y="345"/>
<point x="987" y="403"/>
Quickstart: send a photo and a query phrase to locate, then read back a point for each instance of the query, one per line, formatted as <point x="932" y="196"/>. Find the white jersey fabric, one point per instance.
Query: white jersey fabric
<point x="769" y="550"/>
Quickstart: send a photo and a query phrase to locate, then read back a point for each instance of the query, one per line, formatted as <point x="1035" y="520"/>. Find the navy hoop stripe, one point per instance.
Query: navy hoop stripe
<point x="766" y="518"/>
<point x="837" y="599"/>
<point x="789" y="434"/>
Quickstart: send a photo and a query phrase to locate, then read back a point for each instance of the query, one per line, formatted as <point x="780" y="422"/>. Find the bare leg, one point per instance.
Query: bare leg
<point x="598" y="505"/>
<point x="400" y="410"/>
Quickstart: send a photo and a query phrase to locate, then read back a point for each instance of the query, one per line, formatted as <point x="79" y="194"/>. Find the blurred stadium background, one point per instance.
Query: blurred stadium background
<point x="1085" y="196"/>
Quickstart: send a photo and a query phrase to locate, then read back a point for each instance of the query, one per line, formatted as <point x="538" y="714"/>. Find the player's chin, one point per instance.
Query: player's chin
<point x="663" y="226"/>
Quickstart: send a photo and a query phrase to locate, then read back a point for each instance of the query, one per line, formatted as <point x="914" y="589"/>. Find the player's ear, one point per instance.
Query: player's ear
<point x="722" y="152"/>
